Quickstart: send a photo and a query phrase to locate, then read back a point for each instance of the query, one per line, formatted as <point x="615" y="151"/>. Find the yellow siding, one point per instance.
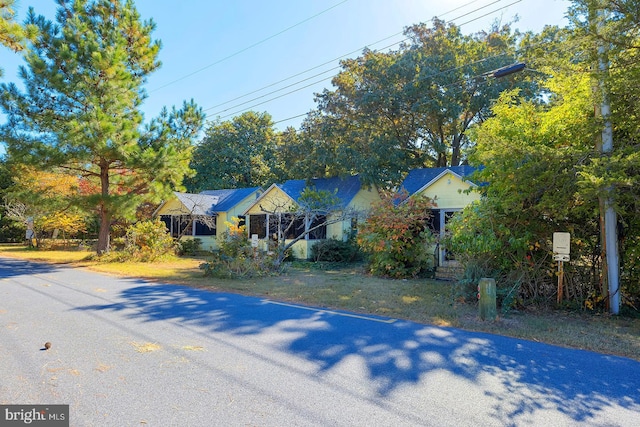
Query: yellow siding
<point x="173" y="207"/>
<point x="273" y="200"/>
<point x="276" y="200"/>
<point x="365" y="198"/>
<point x="336" y="230"/>
<point x="448" y="192"/>
<point x="361" y="203"/>
<point x="302" y="248"/>
<point x="220" y="226"/>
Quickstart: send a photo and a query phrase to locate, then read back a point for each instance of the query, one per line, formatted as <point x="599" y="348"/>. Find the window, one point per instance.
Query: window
<point x="438" y="218"/>
<point x="167" y="222"/>
<point x="321" y="232"/>
<point x="433" y="222"/>
<point x="447" y="216"/>
<point x="183" y="225"/>
<point x="177" y="225"/>
<point x="258" y="225"/>
<point x="204" y="230"/>
<point x="273" y="226"/>
<point x="292" y="225"/>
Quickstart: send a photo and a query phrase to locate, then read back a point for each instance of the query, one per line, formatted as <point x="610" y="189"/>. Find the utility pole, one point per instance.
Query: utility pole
<point x="608" y="214"/>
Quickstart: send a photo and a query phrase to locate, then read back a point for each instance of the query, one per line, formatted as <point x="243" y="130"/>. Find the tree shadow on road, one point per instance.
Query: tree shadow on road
<point x="577" y="383"/>
<point x="10" y="267"/>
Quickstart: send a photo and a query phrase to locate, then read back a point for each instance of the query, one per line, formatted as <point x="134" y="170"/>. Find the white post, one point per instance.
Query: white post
<point x="610" y="217"/>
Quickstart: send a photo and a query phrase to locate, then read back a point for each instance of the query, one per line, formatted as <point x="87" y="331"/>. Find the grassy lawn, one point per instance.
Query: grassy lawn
<point x="424" y="301"/>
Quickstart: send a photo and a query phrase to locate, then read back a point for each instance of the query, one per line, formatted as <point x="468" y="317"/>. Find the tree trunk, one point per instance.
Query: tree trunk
<point x="455" y="150"/>
<point x="104" y="232"/>
<point x="105" y="211"/>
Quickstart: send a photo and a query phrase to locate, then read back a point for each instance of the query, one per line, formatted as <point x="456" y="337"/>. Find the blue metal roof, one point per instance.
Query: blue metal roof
<point x="229" y="198"/>
<point x="418" y="178"/>
<point x="344" y="188"/>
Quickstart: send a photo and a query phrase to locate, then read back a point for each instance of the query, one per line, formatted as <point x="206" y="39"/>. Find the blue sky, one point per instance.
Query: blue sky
<point x="232" y="56"/>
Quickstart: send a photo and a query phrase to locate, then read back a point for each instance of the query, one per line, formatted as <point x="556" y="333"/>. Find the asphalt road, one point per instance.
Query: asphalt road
<point x="127" y="352"/>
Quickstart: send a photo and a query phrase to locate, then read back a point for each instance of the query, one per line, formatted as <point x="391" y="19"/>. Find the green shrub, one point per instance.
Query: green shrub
<point x="148" y="240"/>
<point x="189" y="247"/>
<point x="240" y="267"/>
<point x="334" y="250"/>
<point x="237" y="259"/>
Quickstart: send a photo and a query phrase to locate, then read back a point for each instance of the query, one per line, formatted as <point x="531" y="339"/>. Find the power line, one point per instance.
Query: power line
<point x="285" y="30"/>
<point x="452" y="84"/>
<point x="290" y="118"/>
<point x="270" y="93"/>
<point x="342" y="56"/>
<point x="321" y="80"/>
<point x="489" y="13"/>
<point x="308" y="70"/>
<point x="271" y="99"/>
<point x="248" y="47"/>
<point x="347" y="54"/>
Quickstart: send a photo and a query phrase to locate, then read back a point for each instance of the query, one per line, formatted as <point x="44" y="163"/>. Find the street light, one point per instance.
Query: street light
<point x="505" y="71"/>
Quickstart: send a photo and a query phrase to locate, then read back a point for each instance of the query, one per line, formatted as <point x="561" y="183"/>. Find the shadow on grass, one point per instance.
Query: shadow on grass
<point x="577" y="383"/>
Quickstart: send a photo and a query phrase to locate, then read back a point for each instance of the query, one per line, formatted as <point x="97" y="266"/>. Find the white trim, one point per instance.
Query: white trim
<point x="440" y="175"/>
<point x="263" y="195"/>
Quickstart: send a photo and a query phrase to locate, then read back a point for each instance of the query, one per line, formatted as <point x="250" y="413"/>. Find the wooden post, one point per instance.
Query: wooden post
<point x="487" y="299"/>
<point x="560" y="277"/>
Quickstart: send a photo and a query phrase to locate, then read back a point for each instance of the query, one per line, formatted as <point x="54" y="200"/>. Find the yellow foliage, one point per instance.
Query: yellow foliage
<point x="53" y="183"/>
<point x="68" y="223"/>
<point x="234" y="228"/>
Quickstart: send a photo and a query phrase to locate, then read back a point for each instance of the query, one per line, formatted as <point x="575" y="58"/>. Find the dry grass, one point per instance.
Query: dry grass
<point x="422" y="301"/>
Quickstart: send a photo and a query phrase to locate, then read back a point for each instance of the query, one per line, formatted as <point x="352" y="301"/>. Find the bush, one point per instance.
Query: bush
<point x="487" y="242"/>
<point x="189" y="247"/>
<point x="240" y="267"/>
<point x="396" y="239"/>
<point x="148" y="240"/>
<point x="334" y="250"/>
<point x="237" y="259"/>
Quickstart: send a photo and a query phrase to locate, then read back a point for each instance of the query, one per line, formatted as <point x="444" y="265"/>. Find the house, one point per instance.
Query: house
<point x="203" y="215"/>
<point x="447" y="186"/>
<point x="269" y="217"/>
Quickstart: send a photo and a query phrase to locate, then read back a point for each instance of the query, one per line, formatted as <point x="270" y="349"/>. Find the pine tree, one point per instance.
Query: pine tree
<point x="80" y="110"/>
<point x="11" y="33"/>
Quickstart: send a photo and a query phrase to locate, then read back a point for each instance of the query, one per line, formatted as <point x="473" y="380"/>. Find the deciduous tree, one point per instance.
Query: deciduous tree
<point x="44" y="200"/>
<point x="314" y="210"/>
<point x="238" y="153"/>
<point x="391" y="112"/>
<point x="544" y="173"/>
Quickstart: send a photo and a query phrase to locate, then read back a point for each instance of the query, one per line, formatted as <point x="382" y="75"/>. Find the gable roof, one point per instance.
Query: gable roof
<point x="345" y="189"/>
<point x="419" y="179"/>
<point x="213" y="201"/>
<point x="227" y="199"/>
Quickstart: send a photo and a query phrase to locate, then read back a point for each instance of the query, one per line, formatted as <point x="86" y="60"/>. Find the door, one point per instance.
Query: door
<point x="438" y="224"/>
